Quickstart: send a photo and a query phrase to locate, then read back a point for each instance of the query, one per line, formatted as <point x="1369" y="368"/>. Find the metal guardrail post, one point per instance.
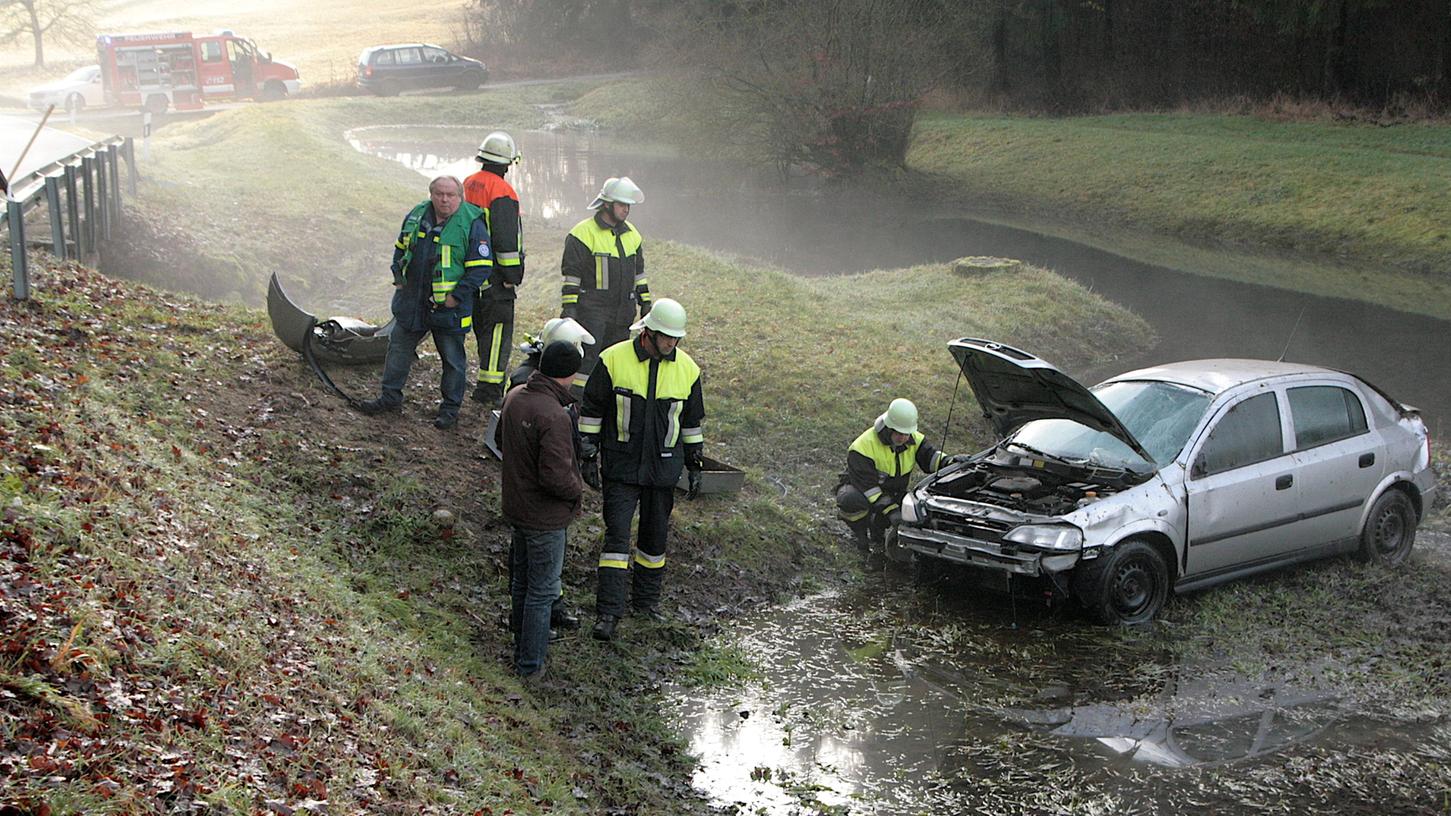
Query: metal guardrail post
<point x="88" y="201"/>
<point x="15" y="214"/>
<point x="73" y="211"/>
<point x="57" y="220"/>
<point x="103" y="197"/>
<point x="129" y="151"/>
<point x="113" y="159"/>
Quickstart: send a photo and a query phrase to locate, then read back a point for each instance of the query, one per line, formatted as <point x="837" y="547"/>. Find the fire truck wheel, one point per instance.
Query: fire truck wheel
<point x="157" y="103"/>
<point x="273" y="91"/>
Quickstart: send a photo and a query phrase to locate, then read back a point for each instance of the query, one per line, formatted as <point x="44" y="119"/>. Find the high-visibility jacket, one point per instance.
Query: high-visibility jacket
<point x="603" y="269"/>
<point x="431" y="262"/>
<point x="490" y="192"/>
<point x="881" y="470"/>
<point x="644" y="414"/>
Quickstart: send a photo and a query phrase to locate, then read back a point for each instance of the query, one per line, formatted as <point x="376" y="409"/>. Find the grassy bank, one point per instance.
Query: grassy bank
<point x="229" y="590"/>
<point x="1350" y="210"/>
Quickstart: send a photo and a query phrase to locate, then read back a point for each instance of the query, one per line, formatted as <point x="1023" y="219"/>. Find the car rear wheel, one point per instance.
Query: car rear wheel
<point x="75" y="103"/>
<point x="1390" y="530"/>
<point x="1126" y="585"/>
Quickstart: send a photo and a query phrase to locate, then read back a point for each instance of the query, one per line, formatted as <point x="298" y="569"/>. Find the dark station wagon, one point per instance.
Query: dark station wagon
<point x="388" y="69"/>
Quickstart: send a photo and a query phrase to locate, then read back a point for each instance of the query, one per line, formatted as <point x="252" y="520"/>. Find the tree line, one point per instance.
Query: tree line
<point x="837" y="83"/>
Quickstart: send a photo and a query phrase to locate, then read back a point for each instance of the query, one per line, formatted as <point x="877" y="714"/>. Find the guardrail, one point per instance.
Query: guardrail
<point x="81" y="195"/>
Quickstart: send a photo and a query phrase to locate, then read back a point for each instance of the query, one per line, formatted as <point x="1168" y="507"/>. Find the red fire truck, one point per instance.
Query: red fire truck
<point x="157" y="71"/>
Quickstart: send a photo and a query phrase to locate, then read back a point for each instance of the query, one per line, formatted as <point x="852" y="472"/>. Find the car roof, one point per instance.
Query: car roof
<point x="1219" y="375"/>
<point x="404" y="45"/>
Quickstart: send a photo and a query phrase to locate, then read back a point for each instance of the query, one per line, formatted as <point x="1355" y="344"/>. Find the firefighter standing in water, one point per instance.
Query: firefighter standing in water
<point x="641" y="419"/>
<point x="604" y="270"/>
<point x="494" y="307"/>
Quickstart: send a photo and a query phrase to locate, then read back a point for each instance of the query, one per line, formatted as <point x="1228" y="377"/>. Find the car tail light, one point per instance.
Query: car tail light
<point x="367" y="70"/>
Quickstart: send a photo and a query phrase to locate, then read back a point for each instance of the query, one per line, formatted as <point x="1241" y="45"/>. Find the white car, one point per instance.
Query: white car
<point x="1175" y="477"/>
<point x="79" y="89"/>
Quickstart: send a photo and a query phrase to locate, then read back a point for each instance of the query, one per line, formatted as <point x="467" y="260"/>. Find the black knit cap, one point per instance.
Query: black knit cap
<point x="560" y="359"/>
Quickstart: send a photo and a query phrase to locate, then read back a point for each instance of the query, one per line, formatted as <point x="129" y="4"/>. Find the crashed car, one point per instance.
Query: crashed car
<point x="1170" y="478"/>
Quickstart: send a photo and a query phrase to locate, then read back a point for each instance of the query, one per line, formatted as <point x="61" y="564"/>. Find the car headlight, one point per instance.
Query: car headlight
<point x="1046" y="536"/>
<point x="909" y="508"/>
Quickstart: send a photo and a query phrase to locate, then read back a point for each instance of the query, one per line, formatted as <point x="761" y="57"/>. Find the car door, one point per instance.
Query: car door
<point x="437" y="67"/>
<point x="1243" y="499"/>
<point x="410" y="71"/>
<point x="1340" y="459"/>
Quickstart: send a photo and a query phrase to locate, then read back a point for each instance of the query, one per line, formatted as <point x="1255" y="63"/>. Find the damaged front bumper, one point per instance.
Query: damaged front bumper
<point x="338" y="340"/>
<point x="974" y="535"/>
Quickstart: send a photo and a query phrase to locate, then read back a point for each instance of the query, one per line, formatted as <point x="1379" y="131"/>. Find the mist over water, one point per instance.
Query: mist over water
<point x="811" y="228"/>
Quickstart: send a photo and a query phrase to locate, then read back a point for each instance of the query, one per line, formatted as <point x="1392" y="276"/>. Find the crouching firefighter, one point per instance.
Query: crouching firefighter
<point x="878" y="467"/>
<point x="642" y="416"/>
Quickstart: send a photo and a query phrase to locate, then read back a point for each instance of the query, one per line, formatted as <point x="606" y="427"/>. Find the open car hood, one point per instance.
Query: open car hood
<point x="1014" y="387"/>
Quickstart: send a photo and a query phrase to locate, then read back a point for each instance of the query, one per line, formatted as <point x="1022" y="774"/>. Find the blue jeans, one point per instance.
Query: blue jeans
<point x="402" y="343"/>
<point x="535" y="560"/>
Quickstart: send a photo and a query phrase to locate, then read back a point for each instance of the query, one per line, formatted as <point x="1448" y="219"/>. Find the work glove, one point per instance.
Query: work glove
<point x="959" y="458"/>
<point x="589" y="470"/>
<point x="694" y="485"/>
<point x="569" y="310"/>
<point x="694" y="464"/>
<point x="589" y="449"/>
<point x="645" y="308"/>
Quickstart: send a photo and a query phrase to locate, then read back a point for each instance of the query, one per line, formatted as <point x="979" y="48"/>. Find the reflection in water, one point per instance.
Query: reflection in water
<point x="800" y="225"/>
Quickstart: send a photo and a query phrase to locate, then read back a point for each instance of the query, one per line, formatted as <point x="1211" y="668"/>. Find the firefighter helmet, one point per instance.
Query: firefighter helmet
<point x="618" y="189"/>
<point x="666" y="316"/>
<point x="498" y="148"/>
<point x="901" y="416"/>
<point x="566" y="329"/>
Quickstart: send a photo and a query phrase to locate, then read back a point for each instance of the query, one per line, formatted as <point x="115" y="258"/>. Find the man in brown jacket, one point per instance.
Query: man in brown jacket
<point x="541" y="493"/>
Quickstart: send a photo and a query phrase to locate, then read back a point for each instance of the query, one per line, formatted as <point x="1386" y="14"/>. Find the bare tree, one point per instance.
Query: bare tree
<point x="829" y="83"/>
<point x="65" y="20"/>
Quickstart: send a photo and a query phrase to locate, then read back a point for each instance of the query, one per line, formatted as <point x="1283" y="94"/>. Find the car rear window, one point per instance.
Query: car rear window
<point x="1325" y="413"/>
<point x="1248" y="433"/>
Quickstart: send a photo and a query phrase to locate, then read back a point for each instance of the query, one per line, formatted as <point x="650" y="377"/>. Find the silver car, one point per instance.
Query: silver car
<point x="1173" y="477"/>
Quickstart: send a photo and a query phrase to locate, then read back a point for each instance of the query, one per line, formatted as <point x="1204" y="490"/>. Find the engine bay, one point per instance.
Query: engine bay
<point x="1042" y="488"/>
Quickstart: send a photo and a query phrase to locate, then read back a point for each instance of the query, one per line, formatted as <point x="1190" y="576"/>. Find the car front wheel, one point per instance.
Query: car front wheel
<point x="1126" y="585"/>
<point x="1390" y="530"/>
<point x="75" y="103"/>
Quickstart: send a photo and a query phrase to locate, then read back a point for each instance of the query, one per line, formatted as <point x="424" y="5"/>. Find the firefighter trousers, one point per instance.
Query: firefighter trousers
<point x="494" y="331"/>
<point x="608" y="323"/>
<point x="620" y="501"/>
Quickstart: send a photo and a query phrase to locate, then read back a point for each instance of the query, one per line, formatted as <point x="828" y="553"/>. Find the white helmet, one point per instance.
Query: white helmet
<point x="498" y="148"/>
<point x="666" y="316"/>
<point x="566" y="329"/>
<point x="901" y="416"/>
<point x="618" y="189"/>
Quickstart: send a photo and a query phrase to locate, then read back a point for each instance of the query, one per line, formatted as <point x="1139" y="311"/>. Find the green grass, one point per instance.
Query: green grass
<point x="1351" y="210"/>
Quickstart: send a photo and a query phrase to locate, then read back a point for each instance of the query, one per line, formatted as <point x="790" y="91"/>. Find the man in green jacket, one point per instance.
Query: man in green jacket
<point x="441" y="258"/>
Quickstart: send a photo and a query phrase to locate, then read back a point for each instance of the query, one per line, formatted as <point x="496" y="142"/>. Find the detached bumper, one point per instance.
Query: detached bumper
<point x="982" y="554"/>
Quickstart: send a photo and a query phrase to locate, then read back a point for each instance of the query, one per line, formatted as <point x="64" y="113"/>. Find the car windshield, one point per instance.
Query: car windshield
<point x="1159" y="415"/>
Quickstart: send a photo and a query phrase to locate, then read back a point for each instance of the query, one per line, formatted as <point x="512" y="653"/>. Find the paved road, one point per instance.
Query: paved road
<point x="50" y="145"/>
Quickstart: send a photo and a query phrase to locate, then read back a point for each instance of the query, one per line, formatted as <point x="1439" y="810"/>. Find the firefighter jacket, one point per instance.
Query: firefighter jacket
<point x="540" y="486"/>
<point x="432" y="261"/>
<point x="880" y="470"/>
<point x="488" y="191"/>
<point x="645" y="413"/>
<point x="604" y="273"/>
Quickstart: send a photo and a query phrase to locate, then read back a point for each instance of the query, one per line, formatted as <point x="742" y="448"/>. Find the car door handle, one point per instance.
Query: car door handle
<point x="1367" y="459"/>
<point x="1284" y="482"/>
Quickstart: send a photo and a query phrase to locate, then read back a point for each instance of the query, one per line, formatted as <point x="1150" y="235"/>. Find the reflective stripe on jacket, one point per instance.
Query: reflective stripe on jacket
<point x="603" y="265"/>
<point x="645" y="412"/>
<point x="881" y="471"/>
<point x="454" y="255"/>
<point x="493" y="194"/>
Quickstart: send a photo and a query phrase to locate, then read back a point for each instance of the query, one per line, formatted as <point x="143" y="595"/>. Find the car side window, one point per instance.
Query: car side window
<point x="383" y="58"/>
<point x="408" y="56"/>
<point x="434" y="55"/>
<point x="211" y="52"/>
<point x="1324" y="414"/>
<point x="1247" y="433"/>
